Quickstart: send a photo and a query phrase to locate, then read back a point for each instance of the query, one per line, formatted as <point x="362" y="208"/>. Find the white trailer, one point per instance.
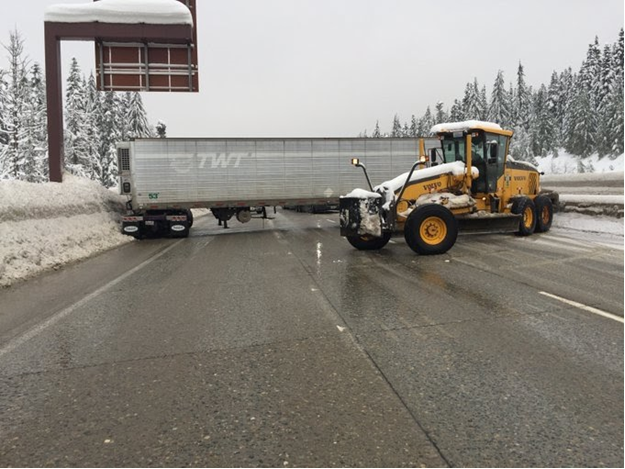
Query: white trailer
<point x="165" y="178"/>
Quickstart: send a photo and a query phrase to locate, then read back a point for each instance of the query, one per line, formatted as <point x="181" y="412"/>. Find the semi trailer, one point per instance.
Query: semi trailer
<point x="164" y="179"/>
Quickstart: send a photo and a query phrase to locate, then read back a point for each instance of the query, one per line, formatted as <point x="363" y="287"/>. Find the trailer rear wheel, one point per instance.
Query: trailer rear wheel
<point x="431" y="229"/>
<point x="525" y="207"/>
<point x="544" y="213"/>
<point x="368" y="242"/>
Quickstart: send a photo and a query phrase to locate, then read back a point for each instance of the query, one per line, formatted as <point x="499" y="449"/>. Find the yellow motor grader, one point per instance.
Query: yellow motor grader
<point x="468" y="183"/>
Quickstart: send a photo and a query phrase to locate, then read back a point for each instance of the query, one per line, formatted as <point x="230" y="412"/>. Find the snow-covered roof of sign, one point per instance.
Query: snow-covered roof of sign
<point x="121" y="11"/>
<point x="464" y="126"/>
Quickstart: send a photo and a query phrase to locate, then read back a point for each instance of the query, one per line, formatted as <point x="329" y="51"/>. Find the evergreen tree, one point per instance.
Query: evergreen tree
<point x="414" y="127"/>
<point x="14" y="159"/>
<point x="471" y="102"/>
<point x="522" y="102"/>
<point x="35" y="144"/>
<point x="580" y="139"/>
<point x="483" y="103"/>
<point x="376" y="130"/>
<point x="77" y="158"/>
<point x="137" y="120"/>
<point x="94" y="119"/>
<point x="4" y="134"/>
<point x="109" y="133"/>
<point x="161" y="130"/>
<point x="456" y="114"/>
<point x="427" y="122"/>
<point x="499" y="109"/>
<point x="616" y="122"/>
<point x="542" y="128"/>
<point x="396" y="130"/>
<point x="604" y="96"/>
<point x="440" y="115"/>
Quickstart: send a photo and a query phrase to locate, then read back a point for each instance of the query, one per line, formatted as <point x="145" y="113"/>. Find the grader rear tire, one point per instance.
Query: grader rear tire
<point x="525" y="206"/>
<point x="431" y="229"/>
<point x="544" y="213"/>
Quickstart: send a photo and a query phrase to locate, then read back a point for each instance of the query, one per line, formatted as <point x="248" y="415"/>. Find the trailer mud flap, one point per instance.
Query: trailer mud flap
<point x="360" y="217"/>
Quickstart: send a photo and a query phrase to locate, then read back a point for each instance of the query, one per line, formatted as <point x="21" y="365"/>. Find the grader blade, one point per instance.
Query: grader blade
<point x="489" y="223"/>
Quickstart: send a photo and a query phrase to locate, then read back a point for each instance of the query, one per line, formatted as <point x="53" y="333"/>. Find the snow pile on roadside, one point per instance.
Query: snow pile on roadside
<point x="565" y="163"/>
<point x="43" y="226"/>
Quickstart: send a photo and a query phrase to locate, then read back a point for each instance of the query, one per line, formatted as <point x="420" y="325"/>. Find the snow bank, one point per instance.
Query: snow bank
<point x="121" y="11"/>
<point x="566" y="163"/>
<point x="43" y="226"/>
<point x="588" y="223"/>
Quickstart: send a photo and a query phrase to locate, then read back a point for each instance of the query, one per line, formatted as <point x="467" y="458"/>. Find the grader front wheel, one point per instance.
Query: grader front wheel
<point x="431" y="229"/>
<point x="368" y="242"/>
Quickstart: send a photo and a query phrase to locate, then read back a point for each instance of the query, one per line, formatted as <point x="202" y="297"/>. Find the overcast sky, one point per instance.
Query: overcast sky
<point x="334" y="67"/>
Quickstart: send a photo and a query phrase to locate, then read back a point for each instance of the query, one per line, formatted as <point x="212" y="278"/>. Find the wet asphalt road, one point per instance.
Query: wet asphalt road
<point x="277" y="344"/>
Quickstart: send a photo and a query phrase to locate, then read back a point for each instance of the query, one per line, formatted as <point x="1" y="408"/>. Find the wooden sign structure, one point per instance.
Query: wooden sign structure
<point x="155" y="72"/>
<point x="148" y="66"/>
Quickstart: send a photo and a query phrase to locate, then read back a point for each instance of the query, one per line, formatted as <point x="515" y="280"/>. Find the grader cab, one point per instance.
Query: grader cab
<point x="470" y="182"/>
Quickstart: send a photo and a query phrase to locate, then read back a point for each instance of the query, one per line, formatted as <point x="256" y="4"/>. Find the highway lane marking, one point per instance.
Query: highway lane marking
<point x="36" y="330"/>
<point x="331" y="221"/>
<point x="584" y="307"/>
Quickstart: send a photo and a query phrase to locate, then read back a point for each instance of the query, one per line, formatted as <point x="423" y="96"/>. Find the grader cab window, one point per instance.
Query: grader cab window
<point x="454" y="148"/>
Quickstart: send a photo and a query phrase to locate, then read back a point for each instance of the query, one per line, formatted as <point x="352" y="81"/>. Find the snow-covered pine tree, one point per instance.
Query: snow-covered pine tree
<point x="555" y="110"/>
<point x="161" y="130"/>
<point x="603" y="87"/>
<point x="580" y="125"/>
<point x="109" y="134"/>
<point x="456" y="114"/>
<point x="440" y="116"/>
<point x="483" y="102"/>
<point x="499" y="109"/>
<point x="396" y="130"/>
<point x="522" y="102"/>
<point x="616" y="122"/>
<point x="77" y="158"/>
<point x="414" y="127"/>
<point x="94" y="118"/>
<point x="471" y="102"/>
<point x="542" y="127"/>
<point x="137" y="120"/>
<point x="14" y="157"/>
<point x="4" y="136"/>
<point x="426" y="123"/>
<point x="35" y="143"/>
<point x="376" y="130"/>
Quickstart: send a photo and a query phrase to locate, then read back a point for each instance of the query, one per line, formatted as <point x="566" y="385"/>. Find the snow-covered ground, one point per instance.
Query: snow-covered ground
<point x="565" y="163"/>
<point x="588" y="223"/>
<point x="43" y="226"/>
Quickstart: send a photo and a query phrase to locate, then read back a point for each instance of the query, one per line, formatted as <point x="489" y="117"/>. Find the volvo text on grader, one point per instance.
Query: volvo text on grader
<point x="471" y="183"/>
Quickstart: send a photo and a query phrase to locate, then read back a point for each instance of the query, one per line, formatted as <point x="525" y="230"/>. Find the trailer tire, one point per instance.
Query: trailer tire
<point x="189" y="217"/>
<point x="544" y="213"/>
<point x="369" y="243"/>
<point x="525" y="207"/>
<point x="431" y="229"/>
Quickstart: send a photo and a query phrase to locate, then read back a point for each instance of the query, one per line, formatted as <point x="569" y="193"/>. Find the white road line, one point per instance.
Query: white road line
<point x="584" y="307"/>
<point x="18" y="341"/>
<point x="331" y="221"/>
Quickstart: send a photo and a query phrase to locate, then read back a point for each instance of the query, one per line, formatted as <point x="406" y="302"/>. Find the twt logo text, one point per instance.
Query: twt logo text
<point x="213" y="161"/>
